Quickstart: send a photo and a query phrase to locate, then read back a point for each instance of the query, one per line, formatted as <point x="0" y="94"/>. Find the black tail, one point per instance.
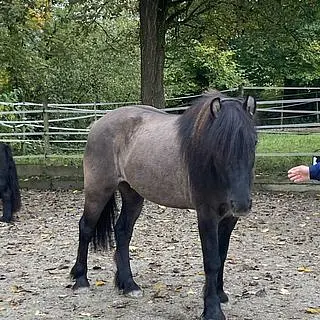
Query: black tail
<point x="13" y="182"/>
<point x="103" y="237"/>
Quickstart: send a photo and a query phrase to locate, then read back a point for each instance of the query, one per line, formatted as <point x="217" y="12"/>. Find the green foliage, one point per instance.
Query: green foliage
<point x="53" y="55"/>
<point x="269" y="42"/>
<point x="9" y="96"/>
<point x="196" y="67"/>
<point x="278" y="41"/>
<point x="80" y="51"/>
<point x="98" y="67"/>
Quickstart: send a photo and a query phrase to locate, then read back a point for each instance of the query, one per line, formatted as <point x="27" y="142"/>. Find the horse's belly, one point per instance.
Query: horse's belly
<point x="165" y="185"/>
<point x="168" y="198"/>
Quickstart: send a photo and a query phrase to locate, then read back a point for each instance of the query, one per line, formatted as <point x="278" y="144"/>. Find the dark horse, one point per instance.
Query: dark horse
<point x="202" y="159"/>
<point x="9" y="184"/>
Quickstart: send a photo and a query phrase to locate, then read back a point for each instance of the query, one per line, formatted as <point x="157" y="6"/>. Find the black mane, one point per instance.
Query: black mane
<point x="210" y="145"/>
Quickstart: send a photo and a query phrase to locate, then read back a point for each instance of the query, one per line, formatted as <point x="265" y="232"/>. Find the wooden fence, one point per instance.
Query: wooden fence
<point x="62" y="128"/>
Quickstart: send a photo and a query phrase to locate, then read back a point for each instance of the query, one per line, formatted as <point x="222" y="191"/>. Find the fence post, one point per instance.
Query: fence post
<point x="241" y="90"/>
<point x="317" y="106"/>
<point x="45" y="129"/>
<point x="23" y="144"/>
<point x="95" y="112"/>
<point x="281" y="119"/>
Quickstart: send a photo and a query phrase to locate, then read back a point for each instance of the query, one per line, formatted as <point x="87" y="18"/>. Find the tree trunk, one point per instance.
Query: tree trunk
<point x="152" y="44"/>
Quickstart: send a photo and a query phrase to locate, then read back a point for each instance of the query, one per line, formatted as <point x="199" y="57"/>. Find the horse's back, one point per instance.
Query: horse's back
<point x="125" y="126"/>
<point x="126" y="121"/>
<point x="130" y="117"/>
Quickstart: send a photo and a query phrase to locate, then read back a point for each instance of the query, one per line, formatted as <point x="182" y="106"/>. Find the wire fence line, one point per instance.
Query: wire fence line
<point x="44" y="128"/>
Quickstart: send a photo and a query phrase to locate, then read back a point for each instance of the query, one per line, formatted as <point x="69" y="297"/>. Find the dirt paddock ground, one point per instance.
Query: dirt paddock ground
<point x="272" y="271"/>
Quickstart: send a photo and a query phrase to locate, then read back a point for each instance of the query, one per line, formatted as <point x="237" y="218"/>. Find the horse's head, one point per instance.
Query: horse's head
<point x="218" y="143"/>
<point x="236" y="140"/>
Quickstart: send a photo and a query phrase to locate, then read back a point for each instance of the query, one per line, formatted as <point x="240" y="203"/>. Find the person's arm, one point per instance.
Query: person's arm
<point x="304" y="173"/>
<point x="314" y="171"/>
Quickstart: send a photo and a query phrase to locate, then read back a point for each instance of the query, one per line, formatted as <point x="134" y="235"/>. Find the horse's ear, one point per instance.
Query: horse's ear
<point x="250" y="105"/>
<point x="215" y="107"/>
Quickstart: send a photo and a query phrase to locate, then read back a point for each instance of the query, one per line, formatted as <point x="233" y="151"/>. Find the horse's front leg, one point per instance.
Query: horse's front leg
<point x="208" y="223"/>
<point x="7" y="206"/>
<point x="225" y="229"/>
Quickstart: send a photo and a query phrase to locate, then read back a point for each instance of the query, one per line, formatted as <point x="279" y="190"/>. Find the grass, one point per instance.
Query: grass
<point x="275" y="152"/>
<point x="288" y="143"/>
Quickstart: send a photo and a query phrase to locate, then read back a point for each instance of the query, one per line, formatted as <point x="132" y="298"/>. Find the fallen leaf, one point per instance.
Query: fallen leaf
<point x="304" y="269"/>
<point x="18" y="289"/>
<point x="284" y="291"/>
<point x="120" y="304"/>
<point x="313" y="310"/>
<point x="178" y="289"/>
<point x="190" y="292"/>
<point x="100" y="283"/>
<point x="160" y="290"/>
<point x="159" y="286"/>
<point x="85" y="314"/>
<point x="133" y="248"/>
<point x="260" y="292"/>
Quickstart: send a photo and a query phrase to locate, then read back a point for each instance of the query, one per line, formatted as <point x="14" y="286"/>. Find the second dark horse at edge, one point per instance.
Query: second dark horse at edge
<point x="9" y="184"/>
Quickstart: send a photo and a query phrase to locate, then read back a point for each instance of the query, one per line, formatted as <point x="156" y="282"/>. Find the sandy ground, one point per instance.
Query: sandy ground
<point x="272" y="271"/>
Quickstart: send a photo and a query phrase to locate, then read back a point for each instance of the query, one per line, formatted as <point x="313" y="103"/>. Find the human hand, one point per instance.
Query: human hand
<point x="299" y="174"/>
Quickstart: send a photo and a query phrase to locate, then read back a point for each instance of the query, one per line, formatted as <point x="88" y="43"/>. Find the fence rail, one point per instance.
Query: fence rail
<point x="42" y="126"/>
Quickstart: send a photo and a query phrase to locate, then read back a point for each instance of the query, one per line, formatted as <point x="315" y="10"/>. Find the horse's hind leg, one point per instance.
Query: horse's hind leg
<point x="225" y="229"/>
<point x="95" y="202"/>
<point x="131" y="208"/>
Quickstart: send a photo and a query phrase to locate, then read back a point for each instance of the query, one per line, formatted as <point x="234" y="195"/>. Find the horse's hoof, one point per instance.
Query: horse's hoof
<point x="223" y="297"/>
<point x="3" y="219"/>
<point x="81" y="283"/>
<point x="136" y="294"/>
<point x="219" y="317"/>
